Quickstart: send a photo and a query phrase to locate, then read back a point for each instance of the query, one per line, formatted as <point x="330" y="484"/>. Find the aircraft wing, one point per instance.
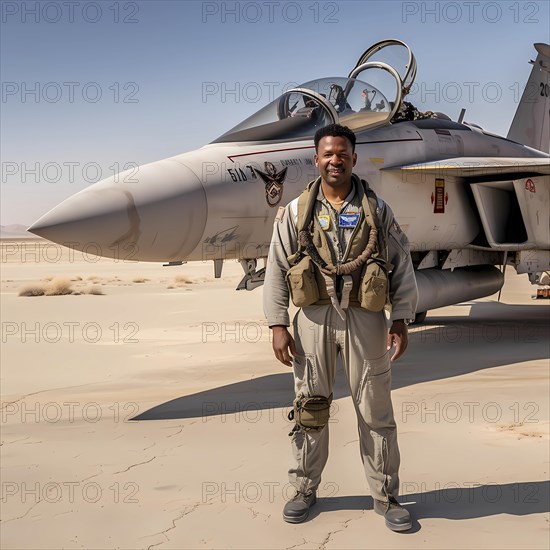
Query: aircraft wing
<point x="474" y="167"/>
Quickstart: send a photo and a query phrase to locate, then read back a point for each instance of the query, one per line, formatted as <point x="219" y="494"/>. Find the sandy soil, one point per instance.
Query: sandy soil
<point x="154" y="416"/>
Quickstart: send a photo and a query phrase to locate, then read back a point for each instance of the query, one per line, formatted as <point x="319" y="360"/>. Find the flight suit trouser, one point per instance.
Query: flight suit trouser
<point x="320" y="333"/>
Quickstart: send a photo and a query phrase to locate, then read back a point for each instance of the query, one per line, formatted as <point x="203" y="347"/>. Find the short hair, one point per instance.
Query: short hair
<point x="334" y="130"/>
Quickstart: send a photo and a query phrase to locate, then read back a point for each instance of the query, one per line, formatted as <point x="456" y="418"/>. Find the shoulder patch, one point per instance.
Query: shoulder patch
<point x="280" y="213"/>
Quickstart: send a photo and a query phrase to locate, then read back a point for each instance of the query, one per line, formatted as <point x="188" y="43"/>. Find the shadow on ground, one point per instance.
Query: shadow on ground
<point x="492" y="335"/>
<point x="456" y="501"/>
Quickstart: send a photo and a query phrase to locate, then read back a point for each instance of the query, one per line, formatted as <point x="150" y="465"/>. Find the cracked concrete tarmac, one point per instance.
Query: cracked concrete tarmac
<point x="173" y="442"/>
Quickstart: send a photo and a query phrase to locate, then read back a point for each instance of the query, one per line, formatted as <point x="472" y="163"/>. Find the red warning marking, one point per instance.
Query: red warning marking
<point x="439" y="202"/>
<point x="530" y="185"/>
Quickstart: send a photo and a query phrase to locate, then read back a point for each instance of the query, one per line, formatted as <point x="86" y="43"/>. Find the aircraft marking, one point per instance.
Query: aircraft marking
<point x="273" y="183"/>
<point x="388" y="141"/>
<point x="530" y="186"/>
<point x="218" y="239"/>
<point x="231" y="157"/>
<point x="439" y="200"/>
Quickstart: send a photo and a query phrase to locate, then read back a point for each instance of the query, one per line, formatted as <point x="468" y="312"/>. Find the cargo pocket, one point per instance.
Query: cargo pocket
<point x="374" y="395"/>
<point x="305" y="375"/>
<point x="373" y="291"/>
<point x="302" y="283"/>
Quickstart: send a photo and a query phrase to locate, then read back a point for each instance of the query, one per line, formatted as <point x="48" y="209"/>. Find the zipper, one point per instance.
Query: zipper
<point x="355" y="230"/>
<point x="332" y="213"/>
<point x="384" y="464"/>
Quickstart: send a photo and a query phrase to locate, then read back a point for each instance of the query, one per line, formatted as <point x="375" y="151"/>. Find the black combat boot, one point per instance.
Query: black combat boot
<point x="297" y="508"/>
<point x="397" y="518"/>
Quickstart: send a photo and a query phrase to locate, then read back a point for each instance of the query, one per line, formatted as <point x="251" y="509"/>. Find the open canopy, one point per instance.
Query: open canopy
<point x="358" y="104"/>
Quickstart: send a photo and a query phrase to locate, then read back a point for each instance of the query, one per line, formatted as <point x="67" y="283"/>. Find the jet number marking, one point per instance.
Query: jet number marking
<point x="237" y="174"/>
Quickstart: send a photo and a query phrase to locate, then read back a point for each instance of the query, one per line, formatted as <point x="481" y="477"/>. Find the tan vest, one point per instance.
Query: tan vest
<point x="359" y="240"/>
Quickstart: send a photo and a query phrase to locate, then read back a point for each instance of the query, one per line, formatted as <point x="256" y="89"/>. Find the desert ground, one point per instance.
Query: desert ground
<point x="142" y="408"/>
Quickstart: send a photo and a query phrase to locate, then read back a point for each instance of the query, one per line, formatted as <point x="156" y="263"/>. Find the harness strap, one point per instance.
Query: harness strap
<point x="305" y="227"/>
<point x="331" y="291"/>
<point x="346" y="291"/>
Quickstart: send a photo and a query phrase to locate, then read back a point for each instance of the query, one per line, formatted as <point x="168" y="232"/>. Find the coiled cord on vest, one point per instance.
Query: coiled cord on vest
<point x="305" y="239"/>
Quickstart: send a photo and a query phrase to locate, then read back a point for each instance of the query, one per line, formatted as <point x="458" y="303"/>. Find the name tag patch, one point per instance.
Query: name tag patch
<point x="348" y="220"/>
<point x="324" y="222"/>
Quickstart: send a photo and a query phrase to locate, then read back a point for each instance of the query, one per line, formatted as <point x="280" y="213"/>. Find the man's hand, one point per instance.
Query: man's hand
<point x="283" y="345"/>
<point x="398" y="335"/>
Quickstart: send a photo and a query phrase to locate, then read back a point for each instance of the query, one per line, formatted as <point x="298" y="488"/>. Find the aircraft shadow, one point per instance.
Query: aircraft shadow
<point x="493" y="335"/>
<point x="456" y="501"/>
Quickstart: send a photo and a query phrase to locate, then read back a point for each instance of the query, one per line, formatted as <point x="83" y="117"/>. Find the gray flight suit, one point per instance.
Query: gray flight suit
<point x="320" y="333"/>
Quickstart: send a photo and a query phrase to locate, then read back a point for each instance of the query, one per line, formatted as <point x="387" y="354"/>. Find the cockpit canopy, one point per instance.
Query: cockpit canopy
<point x="298" y="113"/>
<point x="358" y="104"/>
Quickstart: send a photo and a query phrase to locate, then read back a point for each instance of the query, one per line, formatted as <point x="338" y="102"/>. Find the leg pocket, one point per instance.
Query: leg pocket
<point x="305" y="374"/>
<point x="374" y="399"/>
<point x="371" y="369"/>
<point x="376" y="367"/>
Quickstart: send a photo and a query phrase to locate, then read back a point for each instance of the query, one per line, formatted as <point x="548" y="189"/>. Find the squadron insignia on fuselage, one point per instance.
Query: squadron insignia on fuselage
<point x="273" y="183"/>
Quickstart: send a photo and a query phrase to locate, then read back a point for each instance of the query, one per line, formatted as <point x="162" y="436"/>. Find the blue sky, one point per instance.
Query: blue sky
<point x="88" y="87"/>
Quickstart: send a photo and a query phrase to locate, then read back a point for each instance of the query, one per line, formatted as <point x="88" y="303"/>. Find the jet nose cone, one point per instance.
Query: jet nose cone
<point x="156" y="213"/>
<point x="94" y="213"/>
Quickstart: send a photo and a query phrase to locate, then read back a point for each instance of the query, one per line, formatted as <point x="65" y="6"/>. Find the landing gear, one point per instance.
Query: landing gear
<point x="252" y="278"/>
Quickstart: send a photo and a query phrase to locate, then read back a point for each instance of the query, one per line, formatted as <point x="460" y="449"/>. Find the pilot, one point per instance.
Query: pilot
<point x="341" y="257"/>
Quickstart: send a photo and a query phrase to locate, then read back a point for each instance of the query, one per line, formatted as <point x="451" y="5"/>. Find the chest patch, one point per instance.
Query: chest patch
<point x="348" y="220"/>
<point x="324" y="222"/>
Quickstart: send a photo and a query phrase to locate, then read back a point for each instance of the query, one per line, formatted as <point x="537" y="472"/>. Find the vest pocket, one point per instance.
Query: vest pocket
<point x="302" y="284"/>
<point x="373" y="291"/>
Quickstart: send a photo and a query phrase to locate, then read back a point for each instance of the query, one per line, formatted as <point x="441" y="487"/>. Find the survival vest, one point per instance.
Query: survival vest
<point x="364" y="268"/>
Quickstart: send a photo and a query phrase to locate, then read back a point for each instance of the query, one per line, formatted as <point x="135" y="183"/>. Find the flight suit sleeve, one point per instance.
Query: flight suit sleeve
<point x="276" y="293"/>
<point x="403" y="290"/>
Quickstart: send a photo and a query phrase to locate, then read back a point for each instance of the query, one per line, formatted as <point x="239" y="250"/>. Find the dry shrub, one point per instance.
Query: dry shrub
<point x="76" y="278"/>
<point x="94" y="278"/>
<point x="35" y="289"/>
<point x="140" y="280"/>
<point x="184" y="280"/>
<point x="94" y="290"/>
<point x="59" y="286"/>
<point x="181" y="280"/>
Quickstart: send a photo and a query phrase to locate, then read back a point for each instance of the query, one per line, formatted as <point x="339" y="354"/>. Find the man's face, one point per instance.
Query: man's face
<point x="335" y="160"/>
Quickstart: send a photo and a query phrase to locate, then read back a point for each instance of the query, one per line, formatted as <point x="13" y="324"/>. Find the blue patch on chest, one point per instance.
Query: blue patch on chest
<point x="348" y="220"/>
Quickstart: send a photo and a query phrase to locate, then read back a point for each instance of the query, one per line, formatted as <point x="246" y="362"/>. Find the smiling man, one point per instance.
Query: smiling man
<point x="341" y="257"/>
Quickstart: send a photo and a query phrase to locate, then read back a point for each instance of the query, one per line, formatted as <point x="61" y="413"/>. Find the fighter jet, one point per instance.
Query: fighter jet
<point x="469" y="201"/>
